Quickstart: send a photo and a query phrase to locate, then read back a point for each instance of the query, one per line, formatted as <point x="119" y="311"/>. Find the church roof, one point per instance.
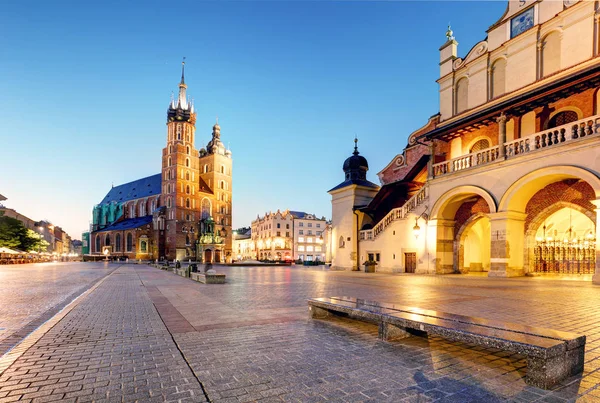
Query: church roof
<point x="144" y="187"/>
<point x="128" y="223"/>
<point x="358" y="182"/>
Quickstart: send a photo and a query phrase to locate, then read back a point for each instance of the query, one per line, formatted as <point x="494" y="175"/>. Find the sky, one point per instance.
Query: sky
<point x="85" y="86"/>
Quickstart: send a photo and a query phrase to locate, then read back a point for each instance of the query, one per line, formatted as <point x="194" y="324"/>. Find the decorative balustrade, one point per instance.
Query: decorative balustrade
<point x="548" y="138"/>
<point x="398" y="213"/>
<point x="467" y="161"/>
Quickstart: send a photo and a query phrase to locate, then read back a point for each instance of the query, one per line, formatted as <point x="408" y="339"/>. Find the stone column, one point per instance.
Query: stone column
<point x="444" y="245"/>
<point x="507" y="244"/>
<point x="596" y="277"/>
<point x="501" y="135"/>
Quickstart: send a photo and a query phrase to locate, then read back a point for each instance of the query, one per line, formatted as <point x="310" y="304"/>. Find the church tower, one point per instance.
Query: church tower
<point x="215" y="171"/>
<point x="181" y="184"/>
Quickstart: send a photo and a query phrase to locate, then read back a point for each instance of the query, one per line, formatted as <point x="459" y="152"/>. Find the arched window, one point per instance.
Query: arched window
<point x="562" y="118"/>
<point x="168" y="202"/>
<point x="341" y="242"/>
<point x="129" y="245"/>
<point x="480" y="145"/>
<point x="168" y="175"/>
<point x="97" y="243"/>
<point x="187" y="176"/>
<point x="107" y="240"/>
<point x="187" y="189"/>
<point x="550" y="53"/>
<point x="222" y="169"/>
<point x="169" y="161"/>
<point x="461" y="95"/>
<point x="205" y="208"/>
<point x="498" y="77"/>
<point x="187" y="162"/>
<point x="187" y="203"/>
<point x="187" y="239"/>
<point x="205" y="169"/>
<point x="118" y="243"/>
<point x="170" y="149"/>
<point x="143" y="246"/>
<point x="187" y="149"/>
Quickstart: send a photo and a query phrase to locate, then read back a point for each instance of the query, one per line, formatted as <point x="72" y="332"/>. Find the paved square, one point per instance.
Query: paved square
<point x="147" y="335"/>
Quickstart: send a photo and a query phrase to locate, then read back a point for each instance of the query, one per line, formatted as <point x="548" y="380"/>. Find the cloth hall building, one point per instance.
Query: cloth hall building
<point x="183" y="212"/>
<point x="505" y="179"/>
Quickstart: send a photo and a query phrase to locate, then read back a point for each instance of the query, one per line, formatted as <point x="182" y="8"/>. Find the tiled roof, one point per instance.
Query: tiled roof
<point x="128" y="224"/>
<point x="298" y="214"/>
<point x="358" y="182"/>
<point x="134" y="190"/>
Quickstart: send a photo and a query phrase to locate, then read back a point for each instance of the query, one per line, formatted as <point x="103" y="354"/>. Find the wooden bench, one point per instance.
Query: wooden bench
<point x="551" y="355"/>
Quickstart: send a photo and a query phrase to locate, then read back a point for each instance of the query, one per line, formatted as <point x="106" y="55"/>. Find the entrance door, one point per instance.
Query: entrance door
<point x="208" y="256"/>
<point x="218" y="256"/>
<point x="410" y="262"/>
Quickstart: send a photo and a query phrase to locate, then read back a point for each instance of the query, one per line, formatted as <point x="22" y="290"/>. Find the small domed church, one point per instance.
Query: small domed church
<point x="181" y="213"/>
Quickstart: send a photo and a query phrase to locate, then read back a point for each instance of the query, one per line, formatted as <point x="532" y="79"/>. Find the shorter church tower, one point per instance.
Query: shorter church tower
<point x="346" y="200"/>
<point x="215" y="171"/>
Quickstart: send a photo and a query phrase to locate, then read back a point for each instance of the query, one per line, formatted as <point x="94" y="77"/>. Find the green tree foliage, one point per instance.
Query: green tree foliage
<point x="14" y="235"/>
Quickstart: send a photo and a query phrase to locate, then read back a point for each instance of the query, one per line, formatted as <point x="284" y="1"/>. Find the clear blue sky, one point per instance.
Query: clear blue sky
<point x="85" y="87"/>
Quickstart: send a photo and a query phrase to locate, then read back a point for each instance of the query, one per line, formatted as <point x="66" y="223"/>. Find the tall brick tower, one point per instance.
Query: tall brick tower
<point x="181" y="184"/>
<point x="215" y="170"/>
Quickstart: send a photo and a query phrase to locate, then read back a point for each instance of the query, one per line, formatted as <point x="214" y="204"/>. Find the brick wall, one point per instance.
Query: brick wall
<point x="570" y="190"/>
<point x="466" y="210"/>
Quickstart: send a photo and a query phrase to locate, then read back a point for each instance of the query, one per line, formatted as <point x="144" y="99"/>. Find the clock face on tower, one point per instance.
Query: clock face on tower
<point x="521" y="23"/>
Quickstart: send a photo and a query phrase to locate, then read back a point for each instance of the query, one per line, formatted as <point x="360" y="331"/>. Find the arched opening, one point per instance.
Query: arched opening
<point x="562" y="118"/>
<point x="118" y="243"/>
<point x="217" y="256"/>
<point x="187" y="162"/>
<point x="187" y="202"/>
<point x="461" y="95"/>
<point x="498" y="77"/>
<point x="474" y="239"/>
<point x="208" y="256"/>
<point x="187" y="149"/>
<point x="187" y="189"/>
<point x="550" y="53"/>
<point x="129" y="243"/>
<point x="144" y="246"/>
<point x="97" y="243"/>
<point x="463" y="230"/>
<point x="169" y="161"/>
<point x="479" y="145"/>
<point x="107" y="240"/>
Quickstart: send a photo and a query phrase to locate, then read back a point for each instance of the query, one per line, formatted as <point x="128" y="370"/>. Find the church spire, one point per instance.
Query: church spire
<point x="182" y="99"/>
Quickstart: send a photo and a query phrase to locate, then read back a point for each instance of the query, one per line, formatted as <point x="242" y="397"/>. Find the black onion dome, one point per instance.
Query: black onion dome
<point x="356" y="166"/>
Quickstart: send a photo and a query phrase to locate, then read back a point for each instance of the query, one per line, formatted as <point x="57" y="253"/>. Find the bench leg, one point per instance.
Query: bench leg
<point x="315" y="312"/>
<point x="389" y="332"/>
<point x="544" y="373"/>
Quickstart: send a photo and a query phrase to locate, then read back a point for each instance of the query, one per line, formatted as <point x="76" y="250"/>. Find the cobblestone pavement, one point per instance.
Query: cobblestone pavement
<point x="251" y="339"/>
<point x="147" y="335"/>
<point x="30" y="294"/>
<point x="112" y="347"/>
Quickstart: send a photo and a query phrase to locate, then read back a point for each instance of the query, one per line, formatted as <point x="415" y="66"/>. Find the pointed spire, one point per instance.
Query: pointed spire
<point x="182" y="72"/>
<point x="355" y="146"/>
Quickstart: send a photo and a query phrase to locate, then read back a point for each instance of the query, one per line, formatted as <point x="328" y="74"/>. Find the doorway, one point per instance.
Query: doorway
<point x="410" y="262"/>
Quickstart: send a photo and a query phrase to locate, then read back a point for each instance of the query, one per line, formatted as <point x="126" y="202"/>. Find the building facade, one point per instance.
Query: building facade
<point x="504" y="179"/>
<point x="309" y="237"/>
<point x="182" y="213"/>
<point x="272" y="236"/>
<point x="243" y="247"/>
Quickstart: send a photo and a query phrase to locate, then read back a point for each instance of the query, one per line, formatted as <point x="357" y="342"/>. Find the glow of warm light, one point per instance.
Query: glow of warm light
<point x="105" y="252"/>
<point x="416" y="230"/>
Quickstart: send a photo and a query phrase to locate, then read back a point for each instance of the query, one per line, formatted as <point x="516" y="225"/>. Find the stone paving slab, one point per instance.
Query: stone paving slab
<point x="113" y="346"/>
<point x="241" y="353"/>
<point x="33" y="293"/>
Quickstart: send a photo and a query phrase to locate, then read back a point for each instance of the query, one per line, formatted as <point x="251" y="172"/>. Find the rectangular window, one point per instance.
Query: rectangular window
<point x="377" y="257"/>
<point x="300" y="239"/>
<point x="309" y="240"/>
<point x="301" y="224"/>
<point x="317" y="249"/>
<point x="278" y="225"/>
<point x="301" y="232"/>
<point x="309" y="248"/>
<point x="318" y="225"/>
<point x="371" y="257"/>
<point x="287" y="226"/>
<point x="310" y="224"/>
<point x="309" y="232"/>
<point x="278" y="233"/>
<point x="301" y="248"/>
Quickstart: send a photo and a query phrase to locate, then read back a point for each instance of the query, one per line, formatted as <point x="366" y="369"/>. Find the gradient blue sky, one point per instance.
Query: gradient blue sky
<point x="85" y="87"/>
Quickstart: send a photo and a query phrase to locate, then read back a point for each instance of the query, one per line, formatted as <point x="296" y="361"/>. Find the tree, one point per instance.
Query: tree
<point x="14" y="235"/>
<point x="12" y="232"/>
